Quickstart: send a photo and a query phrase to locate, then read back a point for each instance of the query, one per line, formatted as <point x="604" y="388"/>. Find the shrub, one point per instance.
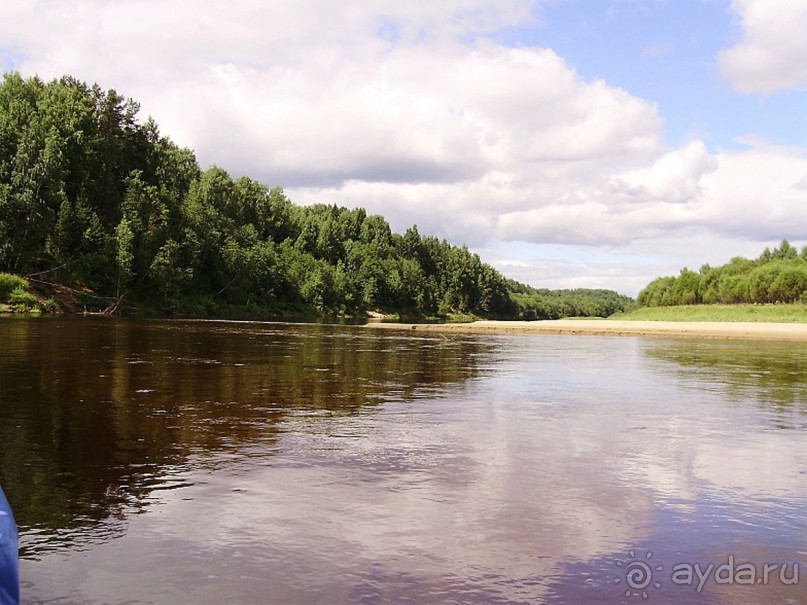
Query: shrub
<point x="22" y="300"/>
<point x="789" y="285"/>
<point x="9" y="283"/>
<point x="734" y="289"/>
<point x="49" y="306"/>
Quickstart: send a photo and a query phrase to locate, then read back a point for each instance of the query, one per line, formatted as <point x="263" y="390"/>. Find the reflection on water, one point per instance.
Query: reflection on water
<point x="97" y="415"/>
<point x="773" y="373"/>
<point x="151" y="462"/>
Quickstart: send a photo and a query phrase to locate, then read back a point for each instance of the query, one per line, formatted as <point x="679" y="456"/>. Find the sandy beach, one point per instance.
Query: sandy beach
<point x="602" y="327"/>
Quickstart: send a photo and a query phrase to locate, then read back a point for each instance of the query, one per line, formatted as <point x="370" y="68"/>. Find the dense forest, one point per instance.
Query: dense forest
<point x="106" y="207"/>
<point x="777" y="276"/>
<point x="541" y="303"/>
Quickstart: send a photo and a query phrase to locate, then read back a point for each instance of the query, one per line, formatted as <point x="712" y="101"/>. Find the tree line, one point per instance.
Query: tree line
<point x="541" y="303"/>
<point x="776" y="276"/>
<point x="92" y="198"/>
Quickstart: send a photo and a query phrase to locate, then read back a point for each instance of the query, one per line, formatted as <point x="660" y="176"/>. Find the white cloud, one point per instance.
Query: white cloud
<point x="674" y="177"/>
<point x="757" y="193"/>
<point x="754" y="194"/>
<point x="315" y="92"/>
<point x="772" y="53"/>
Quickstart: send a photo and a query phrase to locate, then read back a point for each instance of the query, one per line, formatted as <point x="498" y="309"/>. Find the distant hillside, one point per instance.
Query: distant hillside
<point x="100" y="204"/>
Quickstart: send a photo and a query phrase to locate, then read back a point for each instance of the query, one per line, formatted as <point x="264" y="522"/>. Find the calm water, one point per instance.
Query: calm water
<point x="221" y="462"/>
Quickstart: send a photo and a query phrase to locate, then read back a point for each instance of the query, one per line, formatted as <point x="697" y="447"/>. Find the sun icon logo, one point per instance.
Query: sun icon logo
<point x="638" y="575"/>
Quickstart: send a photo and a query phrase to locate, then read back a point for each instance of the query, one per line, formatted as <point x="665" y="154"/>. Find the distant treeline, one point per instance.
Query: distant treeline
<point x="92" y="198"/>
<point x="777" y="276"/>
<point x="539" y="303"/>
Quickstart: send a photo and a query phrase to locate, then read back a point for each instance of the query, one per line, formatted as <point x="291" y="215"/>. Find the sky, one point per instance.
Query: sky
<point x="571" y="143"/>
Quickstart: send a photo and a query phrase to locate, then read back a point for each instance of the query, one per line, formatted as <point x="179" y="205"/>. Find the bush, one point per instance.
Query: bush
<point x="22" y="300"/>
<point x="778" y="276"/>
<point x="789" y="285"/>
<point x="49" y="306"/>
<point x="9" y="283"/>
<point x="734" y="289"/>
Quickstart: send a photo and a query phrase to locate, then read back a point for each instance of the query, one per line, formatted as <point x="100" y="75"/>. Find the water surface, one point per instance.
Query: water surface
<point x="224" y="462"/>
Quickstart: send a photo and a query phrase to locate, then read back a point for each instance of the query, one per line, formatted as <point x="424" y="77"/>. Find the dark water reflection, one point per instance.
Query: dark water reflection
<point x="200" y="462"/>
<point x="97" y="415"/>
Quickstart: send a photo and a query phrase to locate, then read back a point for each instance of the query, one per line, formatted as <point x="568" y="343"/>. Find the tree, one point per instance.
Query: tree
<point x="97" y="199"/>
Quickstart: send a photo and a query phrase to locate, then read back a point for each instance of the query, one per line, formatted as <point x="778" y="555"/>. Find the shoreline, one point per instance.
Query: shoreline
<point x="788" y="332"/>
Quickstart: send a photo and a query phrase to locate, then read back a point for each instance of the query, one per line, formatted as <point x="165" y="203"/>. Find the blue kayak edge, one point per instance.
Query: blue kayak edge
<point x="9" y="555"/>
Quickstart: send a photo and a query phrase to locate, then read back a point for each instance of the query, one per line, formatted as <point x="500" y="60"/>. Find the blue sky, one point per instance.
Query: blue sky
<point x="661" y="52"/>
<point x="666" y="52"/>
<point x="572" y="143"/>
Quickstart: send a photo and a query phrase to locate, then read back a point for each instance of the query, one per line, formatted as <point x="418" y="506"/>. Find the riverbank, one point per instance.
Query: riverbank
<point x="603" y="327"/>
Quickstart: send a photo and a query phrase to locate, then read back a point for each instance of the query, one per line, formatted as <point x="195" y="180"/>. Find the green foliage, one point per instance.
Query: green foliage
<point x="49" y="305"/>
<point x="777" y="276"/>
<point x="21" y="300"/>
<point x="10" y="283"/>
<point x="556" y="304"/>
<point x="105" y="203"/>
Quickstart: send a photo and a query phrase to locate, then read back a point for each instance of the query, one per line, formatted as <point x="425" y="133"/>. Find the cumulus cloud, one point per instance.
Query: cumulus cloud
<point x="305" y="89"/>
<point x="674" y="177"/>
<point x="757" y="193"/>
<point x="772" y="53"/>
<point x="753" y="194"/>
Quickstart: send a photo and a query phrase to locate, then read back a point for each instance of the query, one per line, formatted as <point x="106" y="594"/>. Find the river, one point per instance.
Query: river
<point x="236" y="462"/>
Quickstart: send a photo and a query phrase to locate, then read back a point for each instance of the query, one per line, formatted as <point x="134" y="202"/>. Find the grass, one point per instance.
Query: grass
<point x="775" y="313"/>
<point x="17" y="296"/>
<point x="9" y="283"/>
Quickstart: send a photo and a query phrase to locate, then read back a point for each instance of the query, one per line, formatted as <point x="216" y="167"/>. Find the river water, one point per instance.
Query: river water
<point x="227" y="462"/>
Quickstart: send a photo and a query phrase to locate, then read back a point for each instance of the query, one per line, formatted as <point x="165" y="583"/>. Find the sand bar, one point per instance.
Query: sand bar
<point x="602" y="327"/>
